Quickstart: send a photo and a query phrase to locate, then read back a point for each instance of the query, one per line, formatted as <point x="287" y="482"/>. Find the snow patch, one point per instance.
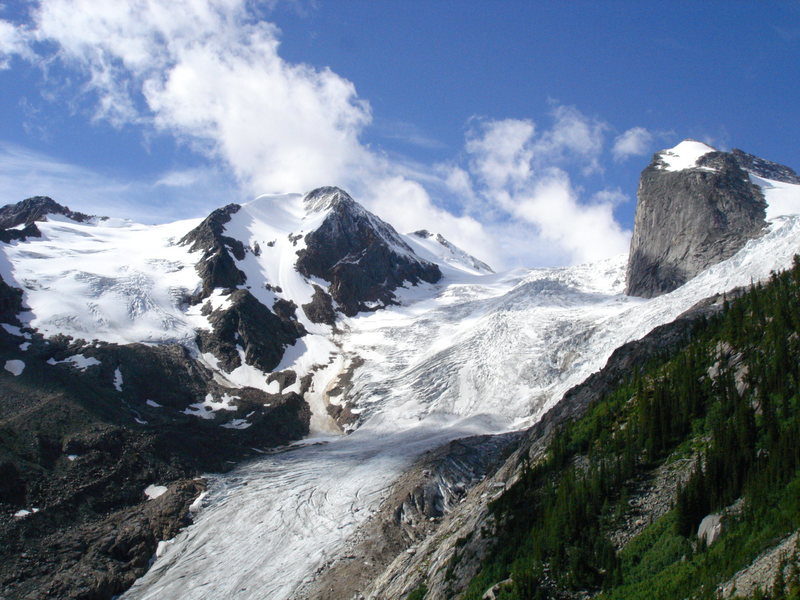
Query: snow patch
<point x="79" y="361"/>
<point x="207" y="408"/>
<point x="15" y="367"/>
<point x="782" y="198"/>
<point x="236" y="424"/>
<point x="153" y="403"/>
<point x="118" y="380"/>
<point x="153" y="491"/>
<point x="684" y="156"/>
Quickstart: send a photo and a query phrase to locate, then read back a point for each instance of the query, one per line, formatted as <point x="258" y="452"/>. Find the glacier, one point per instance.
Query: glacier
<point x="472" y="354"/>
<point x="476" y="353"/>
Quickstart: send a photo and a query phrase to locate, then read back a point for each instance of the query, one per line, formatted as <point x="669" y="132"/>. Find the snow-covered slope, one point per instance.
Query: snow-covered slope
<point x="479" y="356"/>
<point x="109" y="280"/>
<point x="436" y="248"/>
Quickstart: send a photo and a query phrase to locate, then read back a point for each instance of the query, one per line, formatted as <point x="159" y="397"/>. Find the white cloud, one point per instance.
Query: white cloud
<point x="206" y="73"/>
<point x="209" y="73"/>
<point x="500" y="151"/>
<point x="573" y="136"/>
<point x="637" y="141"/>
<point x="515" y="172"/>
<point x="12" y="41"/>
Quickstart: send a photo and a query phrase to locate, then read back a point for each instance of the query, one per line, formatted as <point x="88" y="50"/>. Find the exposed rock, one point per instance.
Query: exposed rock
<point x="35" y="209"/>
<point x="763" y="571"/>
<point x="216" y="268"/>
<point x="96" y="559"/>
<point x="710" y="528"/>
<point x="337" y="394"/>
<point x="413" y="511"/>
<point x="689" y="219"/>
<point x="81" y="443"/>
<point x="765" y="168"/>
<point x="247" y="324"/>
<point x="19" y="235"/>
<point x="362" y="257"/>
<point x="320" y="309"/>
<point x="10" y="303"/>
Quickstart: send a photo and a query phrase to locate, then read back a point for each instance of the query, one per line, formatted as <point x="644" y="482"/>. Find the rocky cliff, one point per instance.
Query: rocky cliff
<point x="696" y="207"/>
<point x="363" y="258"/>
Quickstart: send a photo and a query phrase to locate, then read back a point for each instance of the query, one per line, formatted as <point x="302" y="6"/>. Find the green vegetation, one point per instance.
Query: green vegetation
<point x="418" y="593"/>
<point x="727" y="404"/>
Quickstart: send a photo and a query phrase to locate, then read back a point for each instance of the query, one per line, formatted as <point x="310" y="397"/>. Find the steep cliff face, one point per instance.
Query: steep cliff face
<point x="697" y="207"/>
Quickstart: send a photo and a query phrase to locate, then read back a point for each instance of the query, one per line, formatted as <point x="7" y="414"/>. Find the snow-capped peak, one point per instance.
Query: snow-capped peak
<point x="325" y="198"/>
<point x="683" y="156"/>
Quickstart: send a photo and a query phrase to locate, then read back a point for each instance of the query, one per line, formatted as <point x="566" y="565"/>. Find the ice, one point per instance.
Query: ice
<point x="684" y="155"/>
<point x="153" y="491"/>
<point x="15" y="367"/>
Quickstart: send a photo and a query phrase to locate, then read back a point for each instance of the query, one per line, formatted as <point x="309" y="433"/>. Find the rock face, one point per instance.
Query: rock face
<point x="246" y="323"/>
<point x="764" y="168"/>
<point x="80" y="442"/>
<point x="362" y="257"/>
<point x="216" y="268"/>
<point x="35" y="209"/>
<point x="697" y="207"/>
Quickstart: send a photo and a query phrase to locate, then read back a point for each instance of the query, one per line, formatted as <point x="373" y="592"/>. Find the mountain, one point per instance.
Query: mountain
<point x="697" y="206"/>
<point x="138" y="357"/>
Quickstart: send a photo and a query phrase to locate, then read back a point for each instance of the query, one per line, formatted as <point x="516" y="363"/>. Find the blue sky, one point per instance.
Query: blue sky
<point x="518" y="129"/>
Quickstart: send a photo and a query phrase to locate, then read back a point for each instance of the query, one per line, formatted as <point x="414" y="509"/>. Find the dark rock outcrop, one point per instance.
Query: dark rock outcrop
<point x="10" y="303"/>
<point x="248" y="324"/>
<point x="764" y="168"/>
<point x="36" y="209"/>
<point x="216" y="268"/>
<point x="320" y="309"/>
<point x="362" y="257"/>
<point x="690" y="219"/>
<point x="81" y="444"/>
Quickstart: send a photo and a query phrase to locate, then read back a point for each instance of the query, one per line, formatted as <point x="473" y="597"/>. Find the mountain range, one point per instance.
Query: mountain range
<point x="354" y="391"/>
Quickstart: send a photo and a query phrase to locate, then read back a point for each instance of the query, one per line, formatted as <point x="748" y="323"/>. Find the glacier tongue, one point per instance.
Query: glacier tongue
<point x="469" y="355"/>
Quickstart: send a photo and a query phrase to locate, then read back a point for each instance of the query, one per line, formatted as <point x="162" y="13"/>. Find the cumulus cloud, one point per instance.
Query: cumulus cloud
<point x="572" y="136"/>
<point x="209" y="73"/>
<point x="637" y="141"/>
<point x="514" y="170"/>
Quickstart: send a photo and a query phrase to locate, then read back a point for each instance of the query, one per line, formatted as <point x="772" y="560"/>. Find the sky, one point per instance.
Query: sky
<point x="517" y="129"/>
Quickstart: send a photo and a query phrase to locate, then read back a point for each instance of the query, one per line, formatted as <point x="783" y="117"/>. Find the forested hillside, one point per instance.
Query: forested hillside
<point x="722" y="416"/>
